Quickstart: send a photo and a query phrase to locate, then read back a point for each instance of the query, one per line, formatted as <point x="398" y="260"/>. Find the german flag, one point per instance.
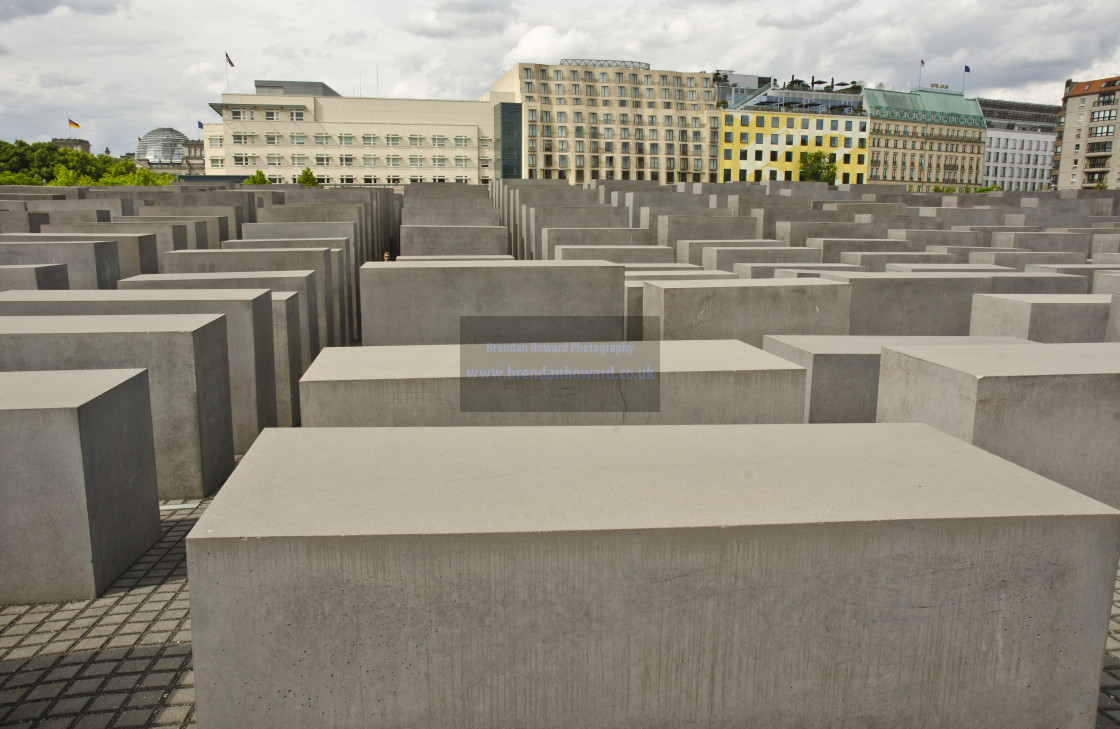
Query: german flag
<point x="74" y="124"/>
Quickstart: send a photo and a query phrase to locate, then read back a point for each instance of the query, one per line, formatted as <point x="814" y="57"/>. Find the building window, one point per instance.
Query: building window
<point x="346" y="179"/>
<point x="393" y="180"/>
<point x="463" y="161"/>
<point x="295" y="115"/>
<point x="415" y="140"/>
<point x="322" y="139"/>
<point x="323" y="179"/>
<point x="393" y="160"/>
<point x="244" y="138"/>
<point x="346" y="160"/>
<point x="299" y="160"/>
<point x="276" y="179"/>
<point x="238" y="114"/>
<point x="415" y="161"/>
<point x="272" y="139"/>
<point x="369" y="139"/>
<point x="439" y="161"/>
<point x="346" y="139"/>
<point x="438" y="140"/>
<point x="393" y="140"/>
<point x="322" y="160"/>
<point x="271" y="115"/>
<point x="217" y="162"/>
<point x="243" y="160"/>
<point x="215" y="141"/>
<point x="297" y="138"/>
<point x="462" y="141"/>
<point x="484" y="162"/>
<point x="274" y="159"/>
<point x="369" y="160"/>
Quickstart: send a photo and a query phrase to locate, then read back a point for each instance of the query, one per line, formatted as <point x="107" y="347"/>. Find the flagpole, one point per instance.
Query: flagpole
<point x="920" y="74"/>
<point x="963" y="74"/>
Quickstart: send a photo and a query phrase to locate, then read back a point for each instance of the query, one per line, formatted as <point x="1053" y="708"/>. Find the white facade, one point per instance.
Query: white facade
<point x="1018" y="160"/>
<point x="347" y="140"/>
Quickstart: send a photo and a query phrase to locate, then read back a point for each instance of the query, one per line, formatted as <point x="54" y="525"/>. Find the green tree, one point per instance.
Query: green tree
<point x="256" y="178"/>
<point x="1101" y="185"/>
<point x="817" y="167"/>
<point x="42" y="162"/>
<point x="307" y="177"/>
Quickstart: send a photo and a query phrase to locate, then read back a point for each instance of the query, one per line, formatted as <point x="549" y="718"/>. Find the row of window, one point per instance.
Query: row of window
<point x="791" y="123"/>
<point x="761" y="156"/>
<point x="1017" y="158"/>
<point x="818" y="141"/>
<point x="907" y="131"/>
<point x="621" y="92"/>
<point x="621" y="103"/>
<point x="1015" y="172"/>
<point x="346" y="160"/>
<point x="619" y="77"/>
<point x="269" y="115"/>
<point x="347" y="140"/>
<point x="1033" y="145"/>
<point x="563" y="160"/>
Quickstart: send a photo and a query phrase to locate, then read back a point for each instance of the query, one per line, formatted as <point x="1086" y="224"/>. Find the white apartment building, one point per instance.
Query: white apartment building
<point x="1086" y="156"/>
<point x="585" y="119"/>
<point x="288" y="126"/>
<point x="1018" y="160"/>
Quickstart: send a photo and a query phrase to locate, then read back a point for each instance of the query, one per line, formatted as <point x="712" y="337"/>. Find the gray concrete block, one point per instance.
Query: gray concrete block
<point x="832" y="248"/>
<point x="719" y="258"/>
<point x="635" y="317"/>
<point x="616" y="254"/>
<point x="877" y="262"/>
<point x="1020" y="259"/>
<point x="188" y="377"/>
<point x="1015" y="282"/>
<point x="911" y="304"/>
<point x="34" y="276"/>
<point x="745" y="309"/>
<point x="672" y="228"/>
<point x="428" y="240"/>
<point x="1105" y="282"/>
<point x="706" y="561"/>
<point x="272" y="259"/>
<point x="1050" y="318"/>
<point x="249" y="343"/>
<point x="945" y="268"/>
<point x="79" y="486"/>
<point x="799" y="232"/>
<point x="842" y="373"/>
<point x="784" y="270"/>
<point x="300" y="282"/>
<point x="422" y="302"/>
<point x="197" y="229"/>
<point x="1045" y="241"/>
<point x="722" y="381"/>
<point x="966" y="238"/>
<point x="448" y="216"/>
<point x="89" y="264"/>
<point x="287" y="362"/>
<point x="1051" y="408"/>
<point x="692" y="251"/>
<point x="1088" y="270"/>
<point x="552" y="237"/>
<point x="154" y="239"/>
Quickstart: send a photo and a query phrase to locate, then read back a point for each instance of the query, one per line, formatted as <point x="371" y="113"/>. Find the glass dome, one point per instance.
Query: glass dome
<point x="161" y="145"/>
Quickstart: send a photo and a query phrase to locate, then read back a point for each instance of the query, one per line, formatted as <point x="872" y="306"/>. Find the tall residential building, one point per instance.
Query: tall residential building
<point x="763" y="138"/>
<point x="583" y="119"/>
<point x="1020" y="144"/>
<point x="1087" y="133"/>
<point x="287" y="126"/>
<point x="925" y="138"/>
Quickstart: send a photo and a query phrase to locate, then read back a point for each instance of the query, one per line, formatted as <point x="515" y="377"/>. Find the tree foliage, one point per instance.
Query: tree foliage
<point x="256" y="178"/>
<point x="307" y="177"/>
<point x="43" y="163"/>
<point x="817" y="167"/>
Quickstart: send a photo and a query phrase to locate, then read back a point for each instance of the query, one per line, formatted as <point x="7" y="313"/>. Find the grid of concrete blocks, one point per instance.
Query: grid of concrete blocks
<point x="537" y="454"/>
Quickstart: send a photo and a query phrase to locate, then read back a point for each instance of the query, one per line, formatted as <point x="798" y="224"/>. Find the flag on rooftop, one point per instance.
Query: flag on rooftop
<point x="200" y="125"/>
<point x="74" y="124"/>
<point x="923" y="61"/>
<point x="230" y="62"/>
<point x="967" y="69"/>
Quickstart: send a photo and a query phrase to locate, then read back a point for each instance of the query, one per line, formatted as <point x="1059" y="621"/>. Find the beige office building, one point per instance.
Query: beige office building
<point x="287" y="126"/>
<point x="583" y="119"/>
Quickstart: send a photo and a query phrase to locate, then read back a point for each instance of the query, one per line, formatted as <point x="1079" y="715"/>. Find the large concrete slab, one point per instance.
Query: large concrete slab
<point x="428" y="240"/>
<point x="272" y="259"/>
<point x="137" y="253"/>
<point x="287" y="361"/>
<point x="842" y="373"/>
<point x="721" y="381"/>
<point x="157" y="238"/>
<point x="79" y="486"/>
<point x="300" y="282"/>
<point x="552" y="237"/>
<point x="422" y="302"/>
<point x="912" y="304"/>
<point x="34" y="276"/>
<point x="718" y="258"/>
<point x="89" y="264"/>
<point x="248" y="316"/>
<point x="616" y="254"/>
<point x="1051" y="408"/>
<point x="744" y="309"/>
<point x="1020" y="259"/>
<point x="1050" y="318"/>
<point x="692" y="251"/>
<point x="606" y="577"/>
<point x="877" y="262"/>
<point x="188" y="377"/>
<point x="833" y="248"/>
<point x="775" y="270"/>
<point x="798" y="232"/>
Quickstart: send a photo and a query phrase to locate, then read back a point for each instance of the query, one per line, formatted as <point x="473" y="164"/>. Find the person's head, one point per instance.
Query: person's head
<point x="385" y="256"/>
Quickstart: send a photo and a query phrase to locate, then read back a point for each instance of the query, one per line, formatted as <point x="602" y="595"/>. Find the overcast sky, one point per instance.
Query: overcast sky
<point x="123" y="67"/>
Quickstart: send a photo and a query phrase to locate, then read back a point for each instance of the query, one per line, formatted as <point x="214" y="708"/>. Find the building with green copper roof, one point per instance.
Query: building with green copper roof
<point x="930" y="107"/>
